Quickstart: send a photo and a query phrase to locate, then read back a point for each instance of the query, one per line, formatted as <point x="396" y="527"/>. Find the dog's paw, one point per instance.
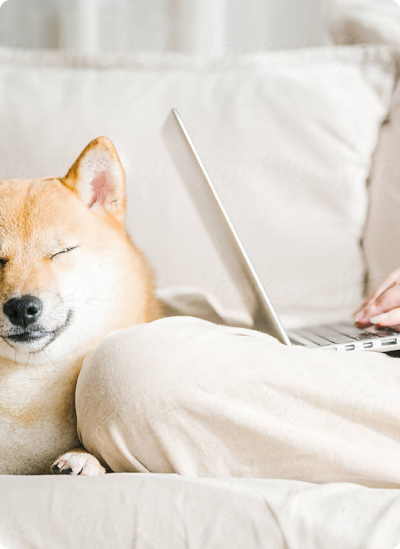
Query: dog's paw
<point x="77" y="463"/>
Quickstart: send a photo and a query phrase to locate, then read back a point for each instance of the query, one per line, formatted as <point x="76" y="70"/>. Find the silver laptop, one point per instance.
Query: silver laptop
<point x="340" y="336"/>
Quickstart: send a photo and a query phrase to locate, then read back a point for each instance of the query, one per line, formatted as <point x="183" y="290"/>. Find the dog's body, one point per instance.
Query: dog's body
<point x="69" y="276"/>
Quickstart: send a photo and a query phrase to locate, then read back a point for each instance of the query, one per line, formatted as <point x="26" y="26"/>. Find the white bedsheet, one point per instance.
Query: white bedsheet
<point x="173" y="512"/>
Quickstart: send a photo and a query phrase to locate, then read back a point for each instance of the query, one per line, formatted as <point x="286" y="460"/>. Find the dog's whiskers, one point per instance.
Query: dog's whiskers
<point x="27" y="362"/>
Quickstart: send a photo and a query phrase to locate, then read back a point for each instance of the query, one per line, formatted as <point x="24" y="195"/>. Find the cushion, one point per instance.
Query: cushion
<point x="368" y="21"/>
<point x="286" y="136"/>
<point x="382" y="231"/>
<point x="364" y="21"/>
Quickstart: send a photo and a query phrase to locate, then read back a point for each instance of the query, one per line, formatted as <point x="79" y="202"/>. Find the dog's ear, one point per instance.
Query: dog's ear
<point x="98" y="178"/>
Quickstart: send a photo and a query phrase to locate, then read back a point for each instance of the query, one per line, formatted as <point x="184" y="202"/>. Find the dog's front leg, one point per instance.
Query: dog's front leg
<point x="77" y="462"/>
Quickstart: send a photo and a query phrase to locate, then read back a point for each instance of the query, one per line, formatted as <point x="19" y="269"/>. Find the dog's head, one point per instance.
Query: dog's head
<point x="68" y="272"/>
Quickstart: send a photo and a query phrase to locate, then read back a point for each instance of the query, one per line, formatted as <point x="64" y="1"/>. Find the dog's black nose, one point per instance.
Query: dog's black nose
<point x="24" y="310"/>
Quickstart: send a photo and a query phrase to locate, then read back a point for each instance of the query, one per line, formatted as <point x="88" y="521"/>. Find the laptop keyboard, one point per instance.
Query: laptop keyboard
<point x="341" y="333"/>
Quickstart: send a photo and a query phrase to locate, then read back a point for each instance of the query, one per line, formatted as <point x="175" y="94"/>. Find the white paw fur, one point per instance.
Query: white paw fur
<point x="77" y="463"/>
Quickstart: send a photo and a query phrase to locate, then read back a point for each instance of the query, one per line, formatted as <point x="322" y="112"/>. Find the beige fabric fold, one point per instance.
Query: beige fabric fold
<point x="187" y="396"/>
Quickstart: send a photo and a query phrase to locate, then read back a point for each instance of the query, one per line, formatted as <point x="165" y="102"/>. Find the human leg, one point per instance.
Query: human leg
<point x="182" y="395"/>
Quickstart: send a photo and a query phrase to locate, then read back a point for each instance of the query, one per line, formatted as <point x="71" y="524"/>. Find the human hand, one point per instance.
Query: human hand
<point x="383" y="306"/>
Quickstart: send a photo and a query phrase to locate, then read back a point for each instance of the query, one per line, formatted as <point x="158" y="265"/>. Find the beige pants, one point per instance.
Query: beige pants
<point x="183" y="395"/>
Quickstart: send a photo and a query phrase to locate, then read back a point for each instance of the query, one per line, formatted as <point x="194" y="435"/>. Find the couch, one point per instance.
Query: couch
<point x="304" y="149"/>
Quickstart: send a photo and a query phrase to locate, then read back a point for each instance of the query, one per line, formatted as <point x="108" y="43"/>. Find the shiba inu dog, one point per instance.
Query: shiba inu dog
<point x="69" y="275"/>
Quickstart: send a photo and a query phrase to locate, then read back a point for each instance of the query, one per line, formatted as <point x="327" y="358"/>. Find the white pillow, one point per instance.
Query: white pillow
<point x="376" y="21"/>
<point x="382" y="232"/>
<point x="287" y="138"/>
<point x="364" y="21"/>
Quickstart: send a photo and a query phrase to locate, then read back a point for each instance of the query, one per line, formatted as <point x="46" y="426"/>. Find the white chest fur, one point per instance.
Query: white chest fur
<point x="37" y="415"/>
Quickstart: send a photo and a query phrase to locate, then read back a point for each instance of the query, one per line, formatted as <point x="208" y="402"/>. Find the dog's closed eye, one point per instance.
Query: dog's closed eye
<point x="65" y="251"/>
